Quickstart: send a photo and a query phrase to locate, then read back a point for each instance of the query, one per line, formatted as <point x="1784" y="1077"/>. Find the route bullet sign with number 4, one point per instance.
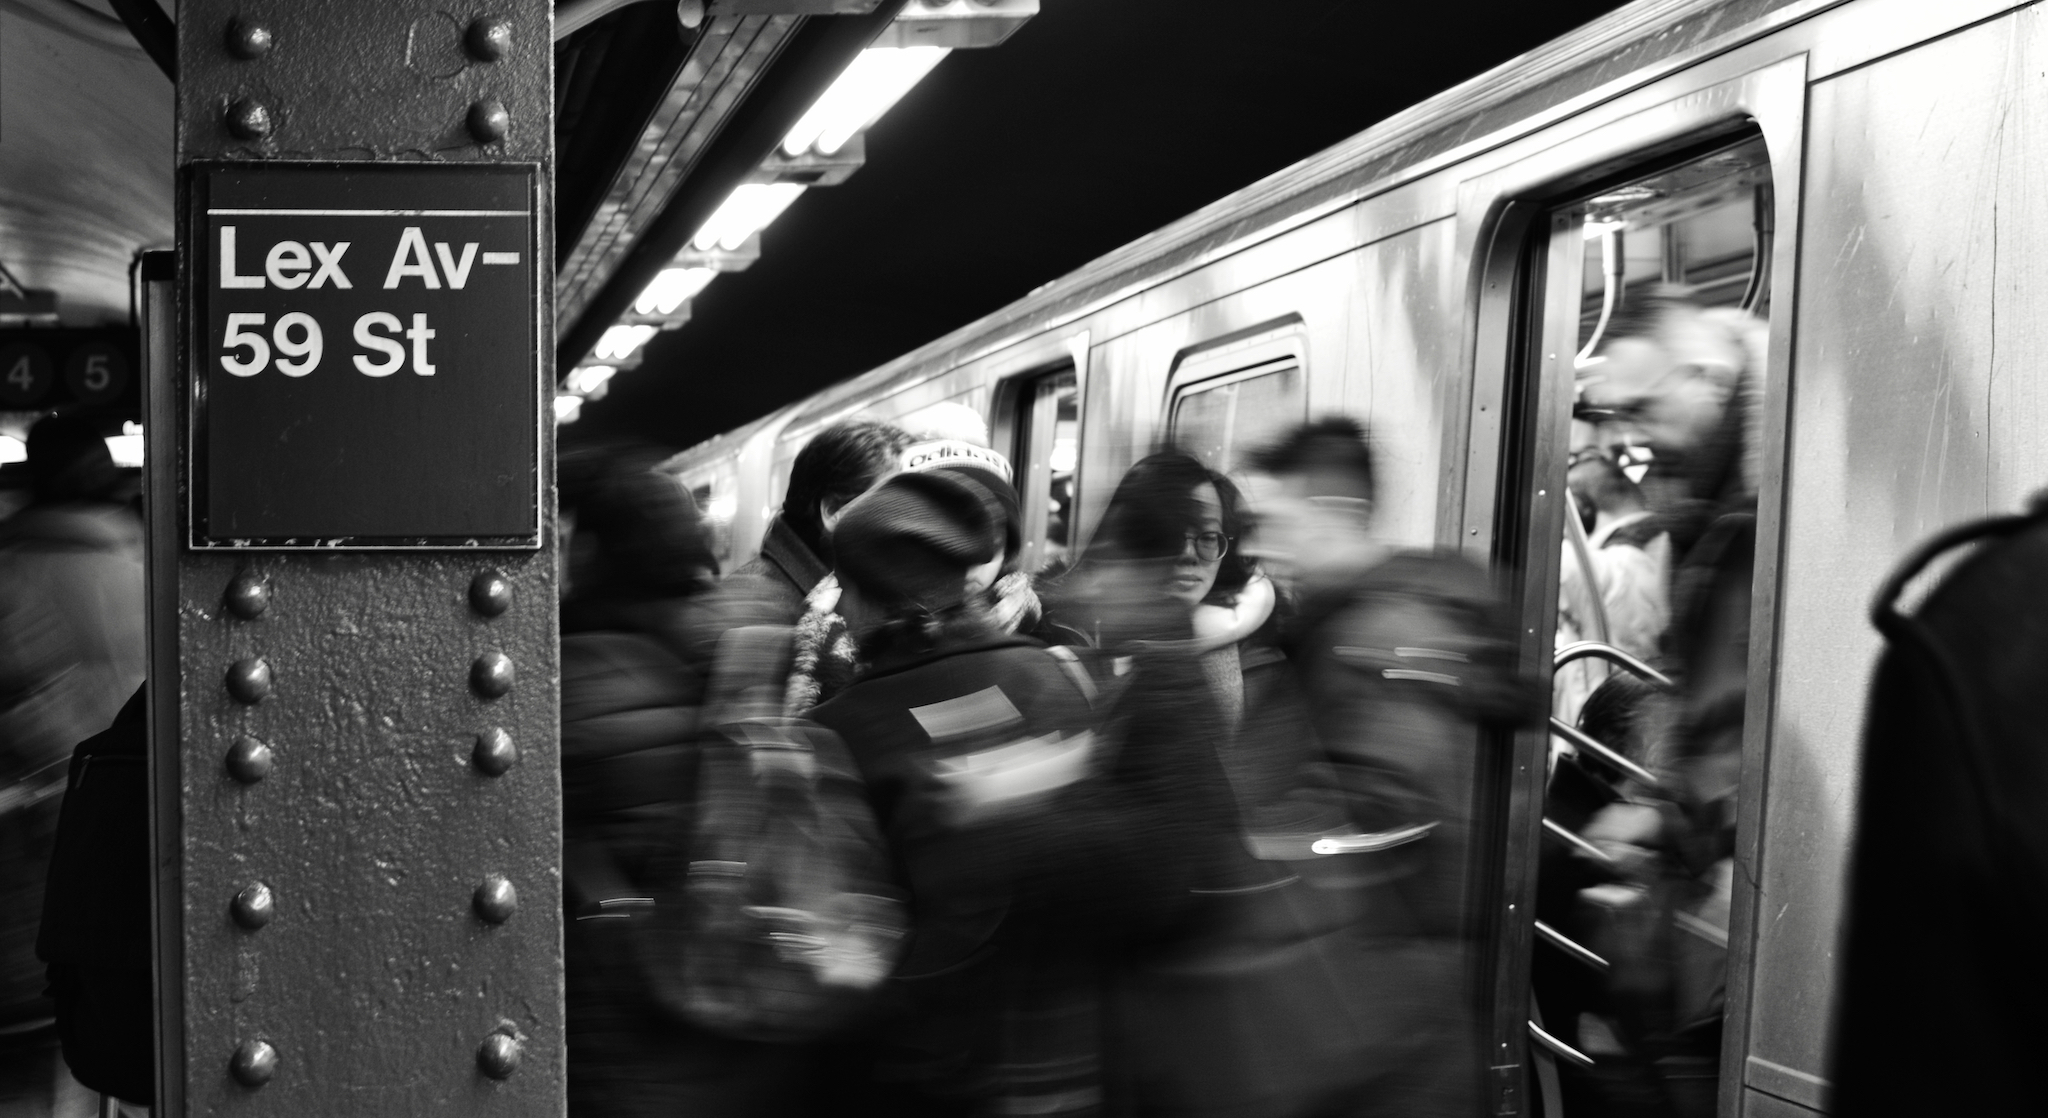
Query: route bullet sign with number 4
<point x="365" y="356"/>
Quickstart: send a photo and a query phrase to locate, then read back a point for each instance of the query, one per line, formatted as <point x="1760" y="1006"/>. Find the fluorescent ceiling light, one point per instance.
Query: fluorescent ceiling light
<point x="672" y="288"/>
<point x="875" y="80"/>
<point x="619" y="342"/>
<point x="568" y="408"/>
<point x="745" y="212"/>
<point x="126" y="450"/>
<point x="12" y="450"/>
<point x="589" y="379"/>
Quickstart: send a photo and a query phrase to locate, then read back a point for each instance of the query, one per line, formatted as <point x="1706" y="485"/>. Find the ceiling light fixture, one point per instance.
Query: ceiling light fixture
<point x="875" y="81"/>
<point x="588" y="379"/>
<point x="619" y="342"/>
<point x="672" y="288"/>
<point x="746" y="211"/>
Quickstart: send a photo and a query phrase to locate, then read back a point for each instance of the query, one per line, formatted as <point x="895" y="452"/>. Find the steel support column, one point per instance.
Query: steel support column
<point x="357" y="795"/>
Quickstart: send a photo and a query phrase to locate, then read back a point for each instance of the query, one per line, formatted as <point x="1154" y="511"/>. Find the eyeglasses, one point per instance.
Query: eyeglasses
<point x="1209" y="546"/>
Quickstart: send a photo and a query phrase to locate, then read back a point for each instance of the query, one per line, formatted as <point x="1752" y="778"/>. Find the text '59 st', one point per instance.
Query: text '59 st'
<point x="296" y="342"/>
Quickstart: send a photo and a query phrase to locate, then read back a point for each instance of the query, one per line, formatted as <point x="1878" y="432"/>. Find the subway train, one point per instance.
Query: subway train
<point x="1854" y="173"/>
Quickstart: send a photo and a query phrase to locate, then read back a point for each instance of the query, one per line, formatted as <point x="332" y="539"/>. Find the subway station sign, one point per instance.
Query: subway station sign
<point x="365" y="356"/>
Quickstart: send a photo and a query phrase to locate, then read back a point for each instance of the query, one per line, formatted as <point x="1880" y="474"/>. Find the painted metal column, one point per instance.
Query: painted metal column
<point x="354" y="742"/>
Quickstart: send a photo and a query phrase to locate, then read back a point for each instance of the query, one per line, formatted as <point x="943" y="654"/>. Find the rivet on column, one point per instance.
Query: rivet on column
<point x="248" y="596"/>
<point x="254" y="906"/>
<point x="249" y="760"/>
<point x="498" y="1056"/>
<point x="254" y="1062"/>
<point x="488" y="120"/>
<point x="488" y="38"/>
<point x="491" y="675"/>
<point x="495" y="900"/>
<point x="490" y="593"/>
<point x="247" y="39"/>
<point x="249" y="679"/>
<point x="249" y="119"/>
<point x="494" y="752"/>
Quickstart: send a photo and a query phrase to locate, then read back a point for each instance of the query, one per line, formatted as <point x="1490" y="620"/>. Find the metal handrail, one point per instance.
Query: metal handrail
<point x="1559" y="1048"/>
<point x="1580" y="844"/>
<point x="1593" y="745"/>
<point x="1571" y="947"/>
<point x="1579" y="650"/>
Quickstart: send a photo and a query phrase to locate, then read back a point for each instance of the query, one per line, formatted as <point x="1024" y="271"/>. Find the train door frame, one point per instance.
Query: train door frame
<point x="1514" y="478"/>
<point x="1012" y="382"/>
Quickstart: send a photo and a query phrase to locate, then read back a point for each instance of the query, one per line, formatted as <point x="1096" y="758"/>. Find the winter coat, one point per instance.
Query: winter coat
<point x="1401" y="669"/>
<point x="1017" y="911"/>
<point x="630" y="708"/>
<point x="770" y="588"/>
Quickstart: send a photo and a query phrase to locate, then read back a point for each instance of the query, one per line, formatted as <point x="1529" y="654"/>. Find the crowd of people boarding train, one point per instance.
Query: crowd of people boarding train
<point x="883" y="823"/>
<point x="1181" y="829"/>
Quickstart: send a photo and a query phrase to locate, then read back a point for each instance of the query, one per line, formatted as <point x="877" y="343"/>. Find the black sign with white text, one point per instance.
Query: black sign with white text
<point x="366" y="365"/>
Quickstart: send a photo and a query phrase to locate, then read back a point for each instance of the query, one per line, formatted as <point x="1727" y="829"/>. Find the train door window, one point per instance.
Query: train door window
<point x="1046" y="455"/>
<point x="1217" y="420"/>
<point x="1658" y="286"/>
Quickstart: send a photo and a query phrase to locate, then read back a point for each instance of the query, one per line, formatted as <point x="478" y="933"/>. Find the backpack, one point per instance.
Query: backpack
<point x="96" y="936"/>
<point x="1949" y="872"/>
<point x="788" y="919"/>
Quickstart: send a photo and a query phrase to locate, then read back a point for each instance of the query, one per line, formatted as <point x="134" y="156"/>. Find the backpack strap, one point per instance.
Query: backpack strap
<point x="1076" y="671"/>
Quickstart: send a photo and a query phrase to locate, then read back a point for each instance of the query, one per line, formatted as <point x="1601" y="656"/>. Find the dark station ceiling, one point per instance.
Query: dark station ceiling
<point x="1097" y="122"/>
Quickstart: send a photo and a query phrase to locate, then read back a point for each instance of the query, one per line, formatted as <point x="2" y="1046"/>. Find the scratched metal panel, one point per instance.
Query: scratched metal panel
<point x="1917" y="403"/>
<point x="375" y="983"/>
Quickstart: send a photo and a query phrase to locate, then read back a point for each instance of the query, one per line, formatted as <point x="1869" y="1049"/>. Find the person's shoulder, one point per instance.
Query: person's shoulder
<point x="1436" y="620"/>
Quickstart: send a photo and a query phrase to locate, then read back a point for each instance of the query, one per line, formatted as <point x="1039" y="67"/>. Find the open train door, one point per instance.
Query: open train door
<point x="1643" y="943"/>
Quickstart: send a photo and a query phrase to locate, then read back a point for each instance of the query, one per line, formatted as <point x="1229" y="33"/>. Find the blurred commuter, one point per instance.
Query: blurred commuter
<point x="825" y="659"/>
<point x="71" y="653"/>
<point x="1267" y="1004"/>
<point x="839" y="464"/>
<point x="1402" y="658"/>
<point x="638" y="557"/>
<point x="1036" y="834"/>
<point x="1689" y="383"/>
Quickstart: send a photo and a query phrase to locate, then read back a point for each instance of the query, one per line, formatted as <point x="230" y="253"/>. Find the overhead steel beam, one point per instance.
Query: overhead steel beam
<point x="758" y="76"/>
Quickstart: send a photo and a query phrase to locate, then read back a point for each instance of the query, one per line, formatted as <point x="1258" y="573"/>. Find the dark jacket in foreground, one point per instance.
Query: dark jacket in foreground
<point x="1402" y="669"/>
<point x="1016" y="913"/>
<point x="1939" y="996"/>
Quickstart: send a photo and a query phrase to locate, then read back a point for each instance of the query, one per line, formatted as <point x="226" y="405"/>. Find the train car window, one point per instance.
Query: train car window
<point x="1218" y="420"/>
<point x="1635" y="878"/>
<point x="1046" y="455"/>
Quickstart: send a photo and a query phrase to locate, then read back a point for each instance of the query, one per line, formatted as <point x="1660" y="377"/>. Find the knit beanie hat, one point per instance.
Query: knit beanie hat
<point x="986" y="469"/>
<point x="913" y="538"/>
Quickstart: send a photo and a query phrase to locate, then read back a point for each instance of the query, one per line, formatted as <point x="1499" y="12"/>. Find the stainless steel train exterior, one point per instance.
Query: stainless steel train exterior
<point x="1428" y="276"/>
